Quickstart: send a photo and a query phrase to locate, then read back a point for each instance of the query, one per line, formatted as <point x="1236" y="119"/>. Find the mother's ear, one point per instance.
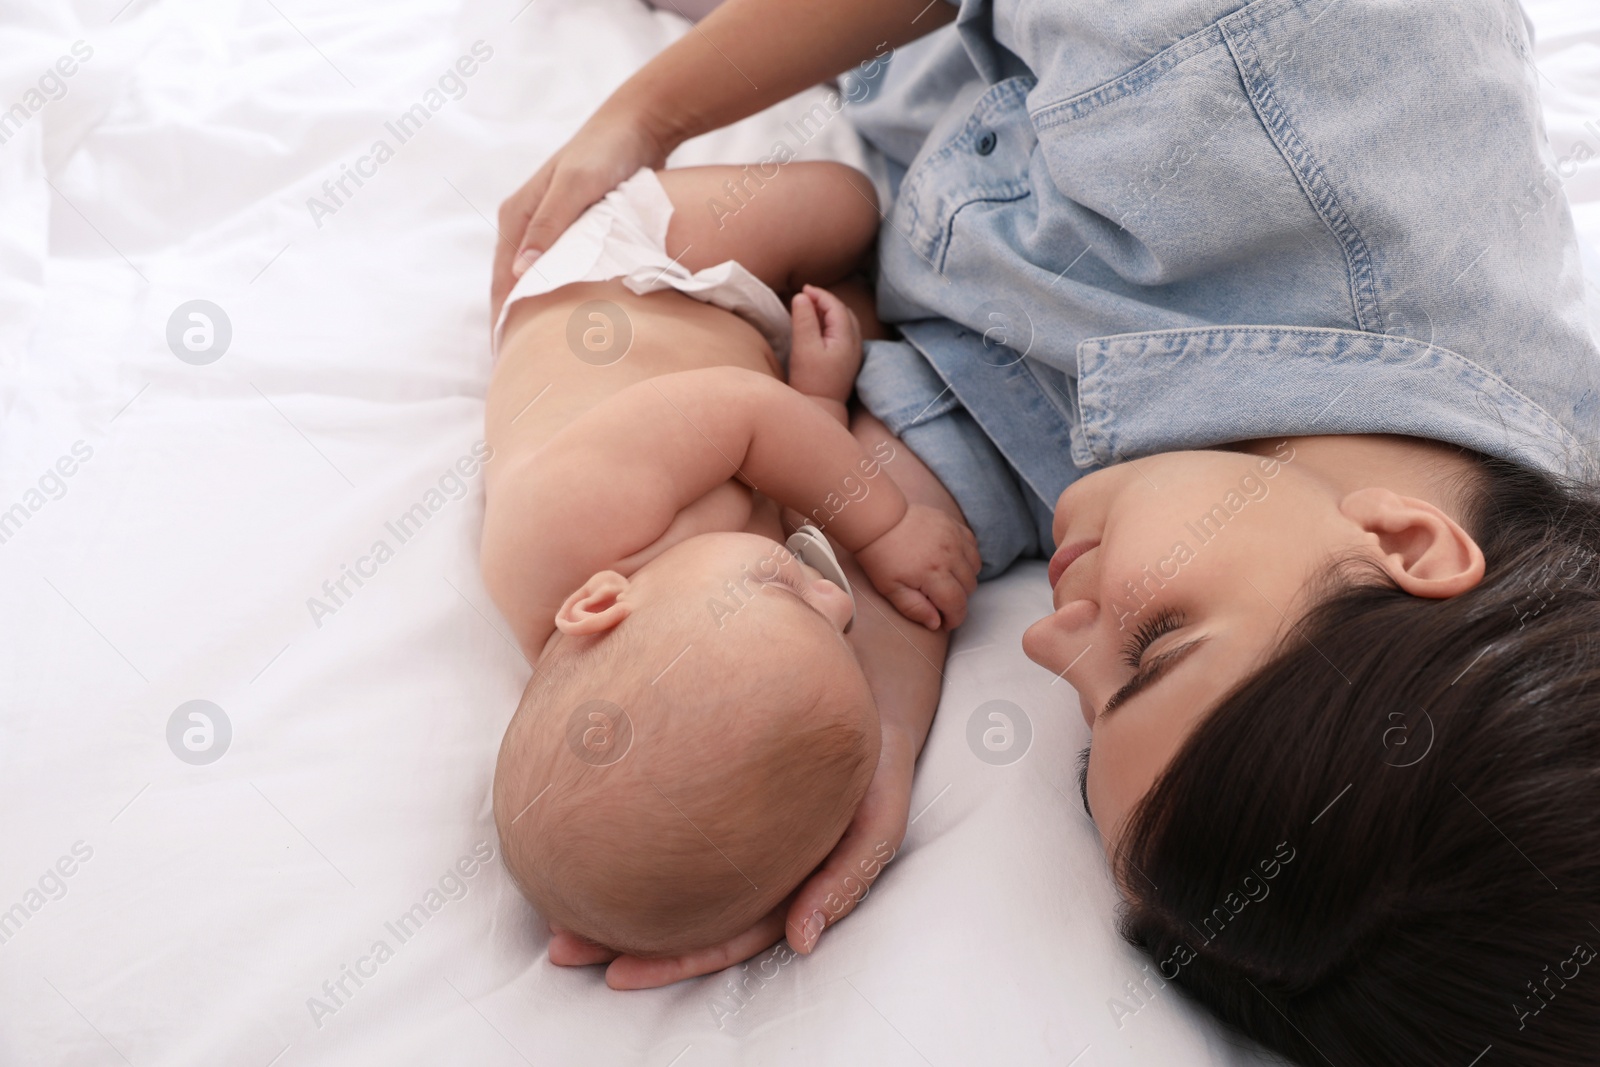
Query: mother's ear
<point x="1425" y="551"/>
<point x="596" y="607"/>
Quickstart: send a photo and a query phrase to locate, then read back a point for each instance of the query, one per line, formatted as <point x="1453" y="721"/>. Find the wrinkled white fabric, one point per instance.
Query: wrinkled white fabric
<point x="220" y="903"/>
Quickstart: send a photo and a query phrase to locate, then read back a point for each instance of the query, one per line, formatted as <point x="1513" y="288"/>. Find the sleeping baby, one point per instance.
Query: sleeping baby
<point x="698" y="733"/>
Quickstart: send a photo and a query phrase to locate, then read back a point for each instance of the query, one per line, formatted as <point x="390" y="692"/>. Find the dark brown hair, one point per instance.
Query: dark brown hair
<point x="1431" y="769"/>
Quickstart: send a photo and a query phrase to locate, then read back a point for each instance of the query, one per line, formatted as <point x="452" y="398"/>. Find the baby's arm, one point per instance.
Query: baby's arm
<point x="689" y="432"/>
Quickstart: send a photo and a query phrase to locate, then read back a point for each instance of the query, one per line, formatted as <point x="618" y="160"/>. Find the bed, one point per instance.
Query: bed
<point x="253" y="686"/>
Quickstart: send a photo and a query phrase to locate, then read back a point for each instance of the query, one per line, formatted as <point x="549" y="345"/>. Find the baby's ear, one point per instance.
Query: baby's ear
<point x="596" y="606"/>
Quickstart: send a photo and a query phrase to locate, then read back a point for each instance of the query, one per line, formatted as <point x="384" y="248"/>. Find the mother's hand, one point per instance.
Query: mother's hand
<point x="605" y="151"/>
<point x="632" y="972"/>
<point x="830" y="894"/>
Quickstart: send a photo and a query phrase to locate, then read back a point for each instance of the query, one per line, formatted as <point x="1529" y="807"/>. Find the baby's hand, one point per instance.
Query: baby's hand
<point x="826" y="351"/>
<point x="925" y="565"/>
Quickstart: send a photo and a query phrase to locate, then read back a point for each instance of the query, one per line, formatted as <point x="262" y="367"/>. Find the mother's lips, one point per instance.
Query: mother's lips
<point x="1064" y="557"/>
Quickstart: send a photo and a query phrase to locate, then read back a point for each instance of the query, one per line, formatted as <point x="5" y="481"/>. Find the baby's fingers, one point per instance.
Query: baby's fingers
<point x="835" y="315"/>
<point x="964" y="570"/>
<point x="969" y="549"/>
<point x="807" y="328"/>
<point x="947" y="595"/>
<point x="914" y="606"/>
<point x="841" y="332"/>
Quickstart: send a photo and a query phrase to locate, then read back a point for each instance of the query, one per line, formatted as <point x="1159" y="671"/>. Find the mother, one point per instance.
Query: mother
<point x="1279" y="304"/>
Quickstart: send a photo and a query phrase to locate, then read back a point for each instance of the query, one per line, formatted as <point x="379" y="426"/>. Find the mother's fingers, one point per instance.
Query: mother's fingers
<point x="513" y="224"/>
<point x="843" y="880"/>
<point x="631" y="972"/>
<point x="567" y="949"/>
<point x="570" y="190"/>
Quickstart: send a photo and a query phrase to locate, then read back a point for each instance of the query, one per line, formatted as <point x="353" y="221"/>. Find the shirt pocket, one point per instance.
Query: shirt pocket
<point x="979" y="154"/>
<point x="1185" y="183"/>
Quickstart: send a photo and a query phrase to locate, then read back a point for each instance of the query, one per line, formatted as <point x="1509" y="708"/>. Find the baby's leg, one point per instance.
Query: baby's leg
<point x="789" y="225"/>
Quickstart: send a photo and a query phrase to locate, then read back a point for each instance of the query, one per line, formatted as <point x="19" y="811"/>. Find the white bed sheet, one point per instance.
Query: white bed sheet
<point x="209" y="904"/>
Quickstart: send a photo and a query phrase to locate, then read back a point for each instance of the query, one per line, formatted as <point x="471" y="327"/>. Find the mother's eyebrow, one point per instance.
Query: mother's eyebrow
<point x="1151" y="673"/>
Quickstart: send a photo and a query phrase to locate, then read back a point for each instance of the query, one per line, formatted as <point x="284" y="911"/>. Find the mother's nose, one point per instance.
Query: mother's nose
<point x="1056" y="641"/>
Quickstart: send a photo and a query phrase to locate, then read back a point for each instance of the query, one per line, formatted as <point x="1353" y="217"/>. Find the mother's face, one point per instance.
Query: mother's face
<point x="1174" y="577"/>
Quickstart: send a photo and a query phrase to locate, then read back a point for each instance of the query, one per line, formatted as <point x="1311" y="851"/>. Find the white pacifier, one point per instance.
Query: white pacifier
<point x="811" y="545"/>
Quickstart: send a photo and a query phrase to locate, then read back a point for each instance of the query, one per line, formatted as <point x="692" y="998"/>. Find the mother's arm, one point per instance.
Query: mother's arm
<point x="745" y="56"/>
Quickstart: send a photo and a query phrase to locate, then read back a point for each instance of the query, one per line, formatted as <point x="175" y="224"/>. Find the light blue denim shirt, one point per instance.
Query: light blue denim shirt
<point x="1126" y="228"/>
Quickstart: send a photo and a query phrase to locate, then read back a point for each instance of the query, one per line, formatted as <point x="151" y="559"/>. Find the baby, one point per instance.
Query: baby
<point x="698" y="733"/>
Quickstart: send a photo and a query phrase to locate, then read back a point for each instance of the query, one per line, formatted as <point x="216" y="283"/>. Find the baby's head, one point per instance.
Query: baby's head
<point x="691" y="746"/>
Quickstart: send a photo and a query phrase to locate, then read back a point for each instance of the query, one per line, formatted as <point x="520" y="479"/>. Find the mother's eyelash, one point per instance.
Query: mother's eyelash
<point x="1162" y="622"/>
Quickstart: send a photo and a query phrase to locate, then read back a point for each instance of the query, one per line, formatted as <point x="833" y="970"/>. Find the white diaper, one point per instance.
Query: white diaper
<point x="625" y="236"/>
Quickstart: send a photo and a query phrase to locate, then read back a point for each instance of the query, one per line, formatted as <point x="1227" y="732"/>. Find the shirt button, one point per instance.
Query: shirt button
<point x="987" y="142"/>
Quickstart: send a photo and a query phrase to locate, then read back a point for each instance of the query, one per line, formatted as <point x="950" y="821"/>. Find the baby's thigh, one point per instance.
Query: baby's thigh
<point x="789" y="225"/>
